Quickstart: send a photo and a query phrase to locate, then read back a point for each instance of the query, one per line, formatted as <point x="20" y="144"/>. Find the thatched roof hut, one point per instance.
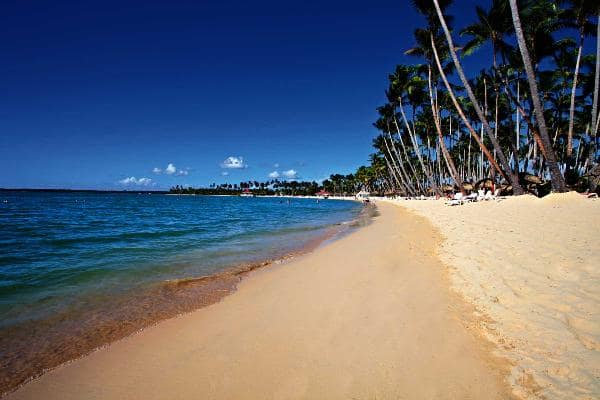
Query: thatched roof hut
<point x="505" y="190"/>
<point x="486" y="183"/>
<point x="529" y="178"/>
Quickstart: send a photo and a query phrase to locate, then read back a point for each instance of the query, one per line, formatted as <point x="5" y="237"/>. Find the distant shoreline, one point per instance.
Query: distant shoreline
<point x="166" y="192"/>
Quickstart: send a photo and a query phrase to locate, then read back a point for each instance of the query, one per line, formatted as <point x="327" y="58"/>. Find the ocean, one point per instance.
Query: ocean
<point x="79" y="270"/>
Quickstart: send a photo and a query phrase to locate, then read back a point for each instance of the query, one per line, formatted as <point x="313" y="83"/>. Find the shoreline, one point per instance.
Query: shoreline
<point x="295" y="309"/>
<point x="168" y="299"/>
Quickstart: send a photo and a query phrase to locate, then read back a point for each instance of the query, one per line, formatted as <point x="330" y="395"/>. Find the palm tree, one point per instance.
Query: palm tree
<point x="406" y="83"/>
<point x="479" y="141"/>
<point x="436" y="119"/>
<point x="547" y="84"/>
<point x="577" y="16"/>
<point x="513" y="179"/>
<point x="383" y="124"/>
<point x="423" y="48"/>
<point x="596" y="82"/>
<point x="557" y="180"/>
<point x="492" y="26"/>
<point x="595" y="118"/>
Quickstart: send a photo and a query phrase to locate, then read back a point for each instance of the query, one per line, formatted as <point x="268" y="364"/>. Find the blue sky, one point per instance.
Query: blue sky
<point x="94" y="94"/>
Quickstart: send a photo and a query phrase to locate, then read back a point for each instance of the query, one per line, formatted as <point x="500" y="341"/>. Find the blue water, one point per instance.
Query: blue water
<point x="63" y="254"/>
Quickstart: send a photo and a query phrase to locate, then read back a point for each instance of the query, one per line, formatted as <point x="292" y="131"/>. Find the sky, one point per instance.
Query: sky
<point x="152" y="94"/>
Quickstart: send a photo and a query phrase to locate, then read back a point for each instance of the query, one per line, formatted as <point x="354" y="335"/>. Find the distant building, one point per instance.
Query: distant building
<point x="324" y="194"/>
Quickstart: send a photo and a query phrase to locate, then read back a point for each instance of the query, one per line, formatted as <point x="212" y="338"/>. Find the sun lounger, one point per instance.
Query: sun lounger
<point x="472" y="197"/>
<point x="480" y="195"/>
<point x="492" y="196"/>
<point x="457" y="200"/>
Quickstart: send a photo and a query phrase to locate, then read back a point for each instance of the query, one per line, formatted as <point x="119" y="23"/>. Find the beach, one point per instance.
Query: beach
<point x="531" y="268"/>
<point x="368" y="316"/>
<point x="300" y="200"/>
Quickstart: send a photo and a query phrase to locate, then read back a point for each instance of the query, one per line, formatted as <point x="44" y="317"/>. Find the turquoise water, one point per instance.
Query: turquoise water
<point x="92" y="266"/>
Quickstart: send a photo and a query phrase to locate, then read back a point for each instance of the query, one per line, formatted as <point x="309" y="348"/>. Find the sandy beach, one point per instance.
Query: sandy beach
<point x="368" y="316"/>
<point x="230" y="200"/>
<point x="531" y="267"/>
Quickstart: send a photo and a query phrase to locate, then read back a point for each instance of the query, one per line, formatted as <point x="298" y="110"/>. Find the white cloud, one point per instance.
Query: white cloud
<point x="127" y="181"/>
<point x="136" y="182"/>
<point x="224" y="173"/>
<point x="290" y="174"/>
<point x="276" y="165"/>
<point x="274" y="174"/>
<point x="170" y="170"/>
<point x="233" y="163"/>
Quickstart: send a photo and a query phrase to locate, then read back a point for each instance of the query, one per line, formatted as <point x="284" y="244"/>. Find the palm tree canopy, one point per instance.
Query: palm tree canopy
<point x="492" y="25"/>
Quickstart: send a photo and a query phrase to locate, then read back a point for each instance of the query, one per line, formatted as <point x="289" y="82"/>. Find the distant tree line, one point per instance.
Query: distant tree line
<point x="271" y="187"/>
<point x="369" y="178"/>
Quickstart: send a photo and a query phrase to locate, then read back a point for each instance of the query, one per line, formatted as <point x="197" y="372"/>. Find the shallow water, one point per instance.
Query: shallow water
<point x="78" y="270"/>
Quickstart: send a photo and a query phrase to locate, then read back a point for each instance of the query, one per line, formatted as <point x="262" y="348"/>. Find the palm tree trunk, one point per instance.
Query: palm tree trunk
<point x="393" y="172"/>
<point x="518" y="119"/>
<point x="403" y="173"/>
<point x="594" y="130"/>
<point x="596" y="83"/>
<point x="557" y="180"/>
<point x="413" y="139"/>
<point x="496" y="122"/>
<point x="469" y="159"/>
<point x="460" y="111"/>
<point x="514" y="180"/>
<point x="438" y="127"/>
<point x="521" y="111"/>
<point x="398" y="172"/>
<point x="410" y="164"/>
<point x="572" y="107"/>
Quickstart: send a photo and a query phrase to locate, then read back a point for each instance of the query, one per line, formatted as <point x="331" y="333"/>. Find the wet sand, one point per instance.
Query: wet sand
<point x="29" y="349"/>
<point x="368" y="316"/>
<point x="531" y="267"/>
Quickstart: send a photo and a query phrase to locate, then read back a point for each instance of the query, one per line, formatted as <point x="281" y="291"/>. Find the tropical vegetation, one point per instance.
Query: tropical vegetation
<point x="528" y="121"/>
<point x="271" y="187"/>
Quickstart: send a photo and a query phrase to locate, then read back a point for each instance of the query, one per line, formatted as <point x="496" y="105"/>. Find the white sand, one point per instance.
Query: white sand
<point x="369" y="316"/>
<point x="532" y="266"/>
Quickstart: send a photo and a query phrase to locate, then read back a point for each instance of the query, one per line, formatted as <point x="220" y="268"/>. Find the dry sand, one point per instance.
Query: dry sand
<point x="533" y="267"/>
<point x="369" y="316"/>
